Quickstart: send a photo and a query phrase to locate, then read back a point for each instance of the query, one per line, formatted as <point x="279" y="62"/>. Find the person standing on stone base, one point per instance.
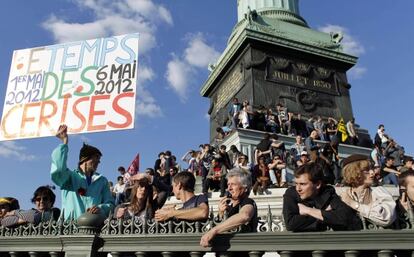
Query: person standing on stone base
<point x="350" y="128"/>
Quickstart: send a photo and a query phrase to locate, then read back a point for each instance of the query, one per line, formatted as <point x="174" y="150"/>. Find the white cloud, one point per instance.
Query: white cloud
<point x="350" y="44"/>
<point x="116" y="18"/>
<point x="199" y="54"/>
<point x="113" y="18"/>
<point x="146" y="104"/>
<point x="178" y="75"/>
<point x="12" y="149"/>
<point x="196" y="55"/>
<point x="357" y="72"/>
<point x="148" y="109"/>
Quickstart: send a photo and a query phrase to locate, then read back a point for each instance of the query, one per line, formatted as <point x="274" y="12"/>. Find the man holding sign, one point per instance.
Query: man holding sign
<point x="83" y="189"/>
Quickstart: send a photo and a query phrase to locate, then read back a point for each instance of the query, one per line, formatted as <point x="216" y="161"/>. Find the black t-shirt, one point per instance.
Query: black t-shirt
<point x="195" y="201"/>
<point x="251" y="226"/>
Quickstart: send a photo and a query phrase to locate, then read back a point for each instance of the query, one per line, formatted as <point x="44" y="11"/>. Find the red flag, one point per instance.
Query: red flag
<point x="134" y="166"/>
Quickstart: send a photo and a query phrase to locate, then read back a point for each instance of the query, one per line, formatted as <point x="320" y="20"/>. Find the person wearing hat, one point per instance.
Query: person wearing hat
<point x="83" y="189"/>
<point x="373" y="203"/>
<point x="304" y="158"/>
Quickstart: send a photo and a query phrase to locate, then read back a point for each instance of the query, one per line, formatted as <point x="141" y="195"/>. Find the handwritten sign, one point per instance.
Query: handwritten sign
<point x="88" y="85"/>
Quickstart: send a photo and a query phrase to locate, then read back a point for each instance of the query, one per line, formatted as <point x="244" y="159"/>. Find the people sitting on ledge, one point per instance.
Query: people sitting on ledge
<point x="313" y="206"/>
<point x="142" y="203"/>
<point x="43" y="198"/>
<point x="373" y="203"/>
<point x="195" y="207"/>
<point x="241" y="211"/>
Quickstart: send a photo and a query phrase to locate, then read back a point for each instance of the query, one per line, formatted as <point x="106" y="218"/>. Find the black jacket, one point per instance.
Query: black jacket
<point x="341" y="217"/>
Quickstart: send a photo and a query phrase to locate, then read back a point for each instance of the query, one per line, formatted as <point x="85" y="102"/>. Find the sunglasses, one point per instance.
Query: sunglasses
<point x="44" y="199"/>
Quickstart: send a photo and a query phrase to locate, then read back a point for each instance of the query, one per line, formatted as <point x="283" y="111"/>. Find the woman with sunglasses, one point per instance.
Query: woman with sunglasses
<point x="43" y="198"/>
<point x="373" y="203"/>
<point x="142" y="202"/>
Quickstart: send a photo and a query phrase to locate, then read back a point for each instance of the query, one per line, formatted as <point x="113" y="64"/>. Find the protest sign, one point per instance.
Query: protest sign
<point x="89" y="85"/>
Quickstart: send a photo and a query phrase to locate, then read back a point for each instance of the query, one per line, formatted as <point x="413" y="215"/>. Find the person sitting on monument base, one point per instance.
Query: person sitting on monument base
<point x="216" y="177"/>
<point x="313" y="206"/>
<point x="195" y="207"/>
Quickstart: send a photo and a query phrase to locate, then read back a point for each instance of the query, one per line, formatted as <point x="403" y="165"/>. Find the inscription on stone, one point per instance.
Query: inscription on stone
<point x="231" y="84"/>
<point x="320" y="80"/>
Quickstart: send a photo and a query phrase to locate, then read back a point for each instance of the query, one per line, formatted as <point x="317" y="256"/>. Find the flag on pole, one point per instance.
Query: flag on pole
<point x="134" y="166"/>
<point x="342" y="130"/>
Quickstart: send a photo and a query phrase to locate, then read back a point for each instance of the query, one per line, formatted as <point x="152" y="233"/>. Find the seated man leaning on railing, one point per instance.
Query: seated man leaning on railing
<point x="313" y="206"/>
<point x="240" y="209"/>
<point x="195" y="207"/>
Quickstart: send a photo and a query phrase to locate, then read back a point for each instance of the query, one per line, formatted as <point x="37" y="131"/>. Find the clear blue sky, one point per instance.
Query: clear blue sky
<point x="179" y="39"/>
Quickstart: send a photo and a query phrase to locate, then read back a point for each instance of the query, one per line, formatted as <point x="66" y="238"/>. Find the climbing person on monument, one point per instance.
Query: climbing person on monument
<point x="83" y="189"/>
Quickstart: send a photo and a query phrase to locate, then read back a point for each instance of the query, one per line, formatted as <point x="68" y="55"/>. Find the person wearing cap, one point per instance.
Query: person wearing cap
<point x="83" y="189"/>
<point x="311" y="205"/>
<point x="373" y="203"/>
<point x="304" y="158"/>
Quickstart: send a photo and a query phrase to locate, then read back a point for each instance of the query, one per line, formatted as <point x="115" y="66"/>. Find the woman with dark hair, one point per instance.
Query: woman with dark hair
<point x="43" y="198"/>
<point x="373" y="203"/>
<point x="142" y="202"/>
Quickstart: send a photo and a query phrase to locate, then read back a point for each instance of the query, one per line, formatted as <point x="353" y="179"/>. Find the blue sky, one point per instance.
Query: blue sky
<point x="179" y="39"/>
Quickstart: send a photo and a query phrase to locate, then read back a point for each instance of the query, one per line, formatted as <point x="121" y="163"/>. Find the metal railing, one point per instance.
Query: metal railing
<point x="144" y="237"/>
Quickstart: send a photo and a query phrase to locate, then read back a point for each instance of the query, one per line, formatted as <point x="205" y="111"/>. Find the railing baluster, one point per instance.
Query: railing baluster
<point x="116" y="254"/>
<point x="54" y="254"/>
<point x="256" y="254"/>
<point x="385" y="253"/>
<point x="140" y="254"/>
<point x="14" y="254"/>
<point x="33" y="254"/>
<point x="285" y="253"/>
<point x="318" y="253"/>
<point x="351" y="253"/>
<point x="196" y="254"/>
<point x="167" y="254"/>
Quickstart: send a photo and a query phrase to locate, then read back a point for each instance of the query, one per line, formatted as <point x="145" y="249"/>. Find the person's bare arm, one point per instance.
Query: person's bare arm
<point x="245" y="215"/>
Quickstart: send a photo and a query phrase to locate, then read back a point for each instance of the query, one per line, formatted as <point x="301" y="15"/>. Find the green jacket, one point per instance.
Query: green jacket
<point x="77" y="196"/>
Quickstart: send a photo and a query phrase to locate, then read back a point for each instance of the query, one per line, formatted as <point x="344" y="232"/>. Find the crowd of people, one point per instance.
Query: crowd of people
<point x="310" y="205"/>
<point x="278" y="119"/>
